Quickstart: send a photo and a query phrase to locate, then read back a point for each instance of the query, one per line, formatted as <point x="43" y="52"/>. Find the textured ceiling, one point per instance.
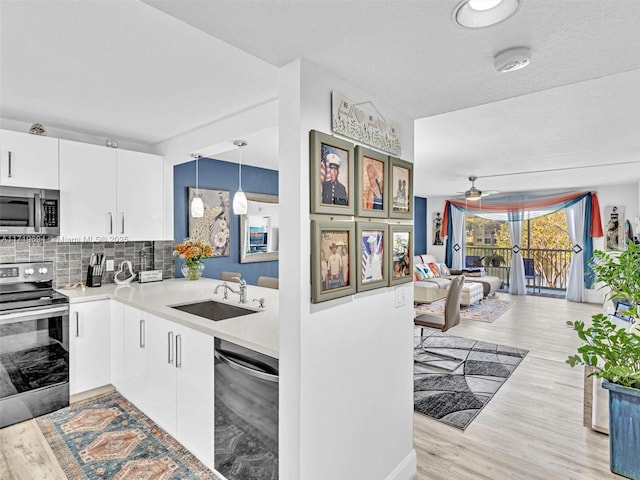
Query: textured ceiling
<point x="151" y="71"/>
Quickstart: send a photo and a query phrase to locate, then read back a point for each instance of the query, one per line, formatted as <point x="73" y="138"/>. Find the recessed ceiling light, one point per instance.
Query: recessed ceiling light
<point x="512" y="59"/>
<point x="483" y="13"/>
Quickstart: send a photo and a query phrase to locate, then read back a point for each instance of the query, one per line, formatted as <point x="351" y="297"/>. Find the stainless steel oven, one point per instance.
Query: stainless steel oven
<point x="29" y="211"/>
<point x="34" y="343"/>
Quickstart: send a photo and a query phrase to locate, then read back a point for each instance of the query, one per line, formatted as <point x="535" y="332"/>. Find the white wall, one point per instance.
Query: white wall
<point x="346" y="385"/>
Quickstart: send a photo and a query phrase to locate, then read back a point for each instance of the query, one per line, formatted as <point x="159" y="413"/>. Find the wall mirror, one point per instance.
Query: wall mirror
<point x="259" y="229"/>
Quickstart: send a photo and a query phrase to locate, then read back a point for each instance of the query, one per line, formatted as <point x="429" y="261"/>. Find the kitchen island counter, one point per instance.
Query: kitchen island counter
<point x="257" y="331"/>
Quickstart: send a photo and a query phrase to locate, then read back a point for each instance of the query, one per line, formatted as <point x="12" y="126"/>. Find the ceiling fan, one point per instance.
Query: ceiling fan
<point x="473" y="193"/>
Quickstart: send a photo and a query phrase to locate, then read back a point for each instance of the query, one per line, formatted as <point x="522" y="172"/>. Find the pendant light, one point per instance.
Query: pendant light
<point x="240" y="199"/>
<point x="197" y="207"/>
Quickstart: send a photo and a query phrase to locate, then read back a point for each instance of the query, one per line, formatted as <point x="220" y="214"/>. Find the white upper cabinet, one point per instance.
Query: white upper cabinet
<point x="108" y="194"/>
<point x="28" y="160"/>
<point x="140" y="192"/>
<point x="87" y="191"/>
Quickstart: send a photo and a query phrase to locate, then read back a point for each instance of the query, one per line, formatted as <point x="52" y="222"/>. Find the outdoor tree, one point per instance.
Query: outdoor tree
<point x="549" y="239"/>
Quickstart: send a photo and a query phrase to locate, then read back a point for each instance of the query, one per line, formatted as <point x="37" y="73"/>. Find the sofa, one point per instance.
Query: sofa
<point x="441" y="280"/>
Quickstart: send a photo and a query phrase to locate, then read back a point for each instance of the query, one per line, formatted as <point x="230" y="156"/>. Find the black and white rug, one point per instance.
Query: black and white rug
<point x="456" y="397"/>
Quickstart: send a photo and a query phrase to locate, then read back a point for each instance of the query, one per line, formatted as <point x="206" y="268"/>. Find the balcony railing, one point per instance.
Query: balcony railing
<point x="551" y="266"/>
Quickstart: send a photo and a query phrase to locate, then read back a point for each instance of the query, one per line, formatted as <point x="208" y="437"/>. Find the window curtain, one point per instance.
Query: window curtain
<point x="534" y="204"/>
<point x="457" y="238"/>
<point x="517" y="282"/>
<point x="576" y="223"/>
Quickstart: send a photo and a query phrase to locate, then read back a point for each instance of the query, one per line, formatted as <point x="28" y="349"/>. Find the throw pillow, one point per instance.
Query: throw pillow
<point x="418" y="273"/>
<point x="444" y="270"/>
<point x="425" y="270"/>
<point x="434" y="268"/>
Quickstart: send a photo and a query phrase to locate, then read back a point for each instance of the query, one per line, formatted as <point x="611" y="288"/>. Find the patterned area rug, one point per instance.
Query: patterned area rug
<point x="486" y="311"/>
<point x="107" y="437"/>
<point x="241" y="450"/>
<point x="455" y="398"/>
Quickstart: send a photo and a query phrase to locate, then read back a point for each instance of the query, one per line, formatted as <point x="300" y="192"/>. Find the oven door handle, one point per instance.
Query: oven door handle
<point x="41" y="313"/>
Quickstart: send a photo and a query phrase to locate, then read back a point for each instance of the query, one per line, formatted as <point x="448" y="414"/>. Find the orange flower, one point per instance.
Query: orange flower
<point x="193" y="251"/>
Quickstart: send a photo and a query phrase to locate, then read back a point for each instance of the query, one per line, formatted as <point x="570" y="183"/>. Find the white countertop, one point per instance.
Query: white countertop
<point x="258" y="331"/>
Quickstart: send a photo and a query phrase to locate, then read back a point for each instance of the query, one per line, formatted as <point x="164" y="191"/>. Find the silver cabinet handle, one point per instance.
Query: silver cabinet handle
<point x="77" y="324"/>
<point x="10" y="171"/>
<point x="110" y="223"/>
<point x="170" y="347"/>
<point x="142" y="333"/>
<point x="122" y="223"/>
<point x="178" y="351"/>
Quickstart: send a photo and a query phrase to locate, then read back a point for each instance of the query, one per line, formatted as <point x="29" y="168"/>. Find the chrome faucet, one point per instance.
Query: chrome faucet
<point x="242" y="290"/>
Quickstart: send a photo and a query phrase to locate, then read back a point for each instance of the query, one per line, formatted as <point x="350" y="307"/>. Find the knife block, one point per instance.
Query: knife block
<point x="94" y="276"/>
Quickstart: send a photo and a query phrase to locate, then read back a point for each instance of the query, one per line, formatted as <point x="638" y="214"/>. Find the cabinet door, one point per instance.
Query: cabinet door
<point x="140" y="209"/>
<point x="28" y="160"/>
<point x="161" y="372"/>
<point x="134" y="381"/>
<point x="89" y="356"/>
<point x="87" y="191"/>
<point x="194" y="357"/>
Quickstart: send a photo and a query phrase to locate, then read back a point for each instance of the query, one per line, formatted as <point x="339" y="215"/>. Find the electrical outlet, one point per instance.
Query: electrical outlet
<point x="109" y="265"/>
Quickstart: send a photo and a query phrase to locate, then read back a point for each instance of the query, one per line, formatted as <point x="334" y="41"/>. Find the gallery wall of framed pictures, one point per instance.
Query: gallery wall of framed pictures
<point x="375" y="250"/>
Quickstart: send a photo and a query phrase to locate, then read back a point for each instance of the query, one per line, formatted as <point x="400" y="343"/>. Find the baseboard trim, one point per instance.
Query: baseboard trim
<point x="407" y="469"/>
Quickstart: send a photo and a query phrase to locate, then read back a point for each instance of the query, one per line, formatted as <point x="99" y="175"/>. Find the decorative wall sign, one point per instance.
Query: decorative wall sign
<point x="356" y="121"/>
<point x="213" y="227"/>
<point x="614" y="230"/>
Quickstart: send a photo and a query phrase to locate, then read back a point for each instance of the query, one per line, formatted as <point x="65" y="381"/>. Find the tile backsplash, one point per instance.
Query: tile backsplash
<point x="71" y="259"/>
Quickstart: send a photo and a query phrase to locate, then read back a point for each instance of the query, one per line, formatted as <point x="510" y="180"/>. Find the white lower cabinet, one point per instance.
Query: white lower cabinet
<point x="168" y="374"/>
<point x="89" y="346"/>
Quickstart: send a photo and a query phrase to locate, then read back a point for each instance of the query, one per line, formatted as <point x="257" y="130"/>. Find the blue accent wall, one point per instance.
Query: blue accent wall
<point x="220" y="175"/>
<point x="419" y="225"/>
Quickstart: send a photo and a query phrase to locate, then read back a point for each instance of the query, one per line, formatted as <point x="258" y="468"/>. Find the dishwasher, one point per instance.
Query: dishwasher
<point x="246" y="413"/>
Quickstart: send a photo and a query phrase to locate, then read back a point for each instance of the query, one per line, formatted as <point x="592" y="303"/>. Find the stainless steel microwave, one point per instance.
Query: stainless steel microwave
<point x="29" y="211"/>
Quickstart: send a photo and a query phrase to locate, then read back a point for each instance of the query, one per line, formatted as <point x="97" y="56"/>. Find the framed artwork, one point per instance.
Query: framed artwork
<point x="401" y="254"/>
<point x="372" y="178"/>
<point x="332" y="260"/>
<point x="437" y="228"/>
<point x="331" y="172"/>
<point x="214" y="226"/>
<point x="401" y="185"/>
<point x="614" y="230"/>
<point x="372" y="263"/>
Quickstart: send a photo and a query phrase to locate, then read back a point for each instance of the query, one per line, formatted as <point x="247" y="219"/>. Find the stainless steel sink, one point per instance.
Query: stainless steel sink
<point x="214" y="310"/>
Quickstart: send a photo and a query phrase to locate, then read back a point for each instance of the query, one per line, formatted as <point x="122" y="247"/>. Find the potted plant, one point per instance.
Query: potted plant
<point x="614" y="353"/>
<point x="494" y="260"/>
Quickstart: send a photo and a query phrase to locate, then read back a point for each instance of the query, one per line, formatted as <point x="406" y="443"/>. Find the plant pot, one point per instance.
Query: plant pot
<point x="192" y="271"/>
<point x="624" y="429"/>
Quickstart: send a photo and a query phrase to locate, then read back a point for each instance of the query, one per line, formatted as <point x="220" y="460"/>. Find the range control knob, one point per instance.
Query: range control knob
<point x="28" y="271"/>
<point x="42" y="270"/>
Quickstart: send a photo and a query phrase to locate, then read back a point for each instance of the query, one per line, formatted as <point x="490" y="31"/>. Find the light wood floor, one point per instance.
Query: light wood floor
<point x="531" y="429"/>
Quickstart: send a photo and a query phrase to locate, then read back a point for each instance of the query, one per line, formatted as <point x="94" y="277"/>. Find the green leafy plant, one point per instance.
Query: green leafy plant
<point x="494" y="260"/>
<point x="621" y="273"/>
<point x="613" y="351"/>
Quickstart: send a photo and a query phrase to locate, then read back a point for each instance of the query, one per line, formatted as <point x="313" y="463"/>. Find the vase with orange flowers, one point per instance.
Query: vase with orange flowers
<point x="192" y="252"/>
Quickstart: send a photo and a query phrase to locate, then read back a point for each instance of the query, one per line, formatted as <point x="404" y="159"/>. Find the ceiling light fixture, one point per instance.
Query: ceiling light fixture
<point x="240" y="199"/>
<point x="473" y="193"/>
<point x="197" y="206"/>
<point x="484" y="13"/>
<point x="512" y="59"/>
